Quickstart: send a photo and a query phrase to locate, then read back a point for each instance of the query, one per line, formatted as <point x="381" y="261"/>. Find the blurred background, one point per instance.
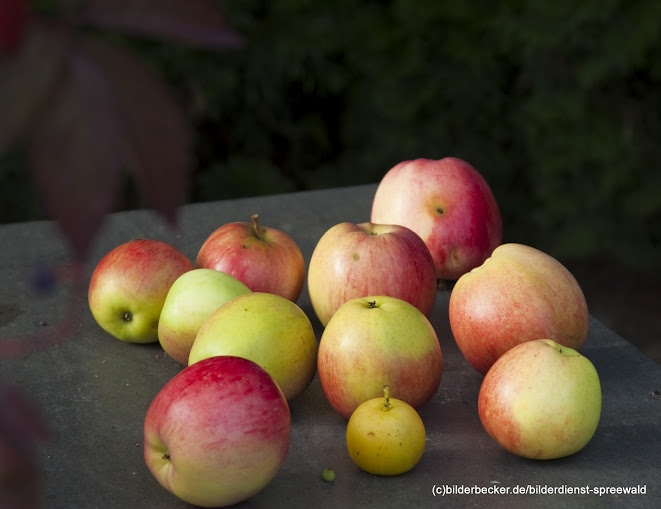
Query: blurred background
<point x="557" y="104"/>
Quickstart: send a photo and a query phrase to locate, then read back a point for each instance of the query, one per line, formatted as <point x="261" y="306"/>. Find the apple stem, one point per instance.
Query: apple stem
<point x="386" y="397"/>
<point x="256" y="228"/>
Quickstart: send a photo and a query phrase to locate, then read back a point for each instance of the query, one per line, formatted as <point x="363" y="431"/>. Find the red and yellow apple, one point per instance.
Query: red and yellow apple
<point x="518" y="294"/>
<point x="449" y="204"/>
<point x="129" y="285"/>
<point x="192" y="298"/>
<point x="218" y="432"/>
<point x="375" y="341"/>
<point x="267" y="329"/>
<point x="264" y="259"/>
<point x="541" y="400"/>
<point x="355" y="260"/>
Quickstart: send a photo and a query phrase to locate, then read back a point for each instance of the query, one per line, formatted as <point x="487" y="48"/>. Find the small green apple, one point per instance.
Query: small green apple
<point x="191" y="300"/>
<point x="541" y="400"/>
<point x="267" y="329"/>
<point x="129" y="285"/>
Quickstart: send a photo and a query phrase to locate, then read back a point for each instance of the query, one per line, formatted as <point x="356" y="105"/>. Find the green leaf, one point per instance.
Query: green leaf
<point x="196" y="22"/>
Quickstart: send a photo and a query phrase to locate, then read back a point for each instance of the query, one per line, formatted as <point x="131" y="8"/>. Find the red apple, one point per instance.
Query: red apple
<point x="541" y="400"/>
<point x="375" y="341"/>
<point x="449" y="204"/>
<point x="355" y="260"/>
<point x="218" y="432"/>
<point x="518" y="294"/>
<point x="129" y="285"/>
<point x="264" y="259"/>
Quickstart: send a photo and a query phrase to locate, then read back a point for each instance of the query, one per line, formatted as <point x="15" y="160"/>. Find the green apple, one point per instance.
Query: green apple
<point x="267" y="329"/>
<point x="191" y="300"/>
<point x="129" y="285"/>
<point x="541" y="400"/>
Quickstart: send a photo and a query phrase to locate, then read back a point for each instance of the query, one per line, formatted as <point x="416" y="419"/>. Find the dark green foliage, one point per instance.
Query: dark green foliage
<point x="557" y="104"/>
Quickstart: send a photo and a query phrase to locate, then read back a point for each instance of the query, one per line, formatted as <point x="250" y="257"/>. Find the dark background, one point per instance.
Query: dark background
<point x="557" y="104"/>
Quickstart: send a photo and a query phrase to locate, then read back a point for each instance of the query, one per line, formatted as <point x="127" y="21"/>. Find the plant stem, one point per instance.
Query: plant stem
<point x="386" y="397"/>
<point x="256" y="228"/>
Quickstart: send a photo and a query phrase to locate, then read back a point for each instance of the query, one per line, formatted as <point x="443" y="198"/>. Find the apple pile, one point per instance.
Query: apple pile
<point x="218" y="432"/>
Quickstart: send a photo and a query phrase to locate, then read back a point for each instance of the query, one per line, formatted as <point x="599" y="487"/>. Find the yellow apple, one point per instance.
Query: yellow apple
<point x="267" y="329"/>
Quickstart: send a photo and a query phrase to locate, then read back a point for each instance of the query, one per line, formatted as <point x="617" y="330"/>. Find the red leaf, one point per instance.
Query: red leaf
<point x="27" y="78"/>
<point x="157" y="136"/>
<point x="13" y="17"/>
<point x="197" y="22"/>
<point x="74" y="153"/>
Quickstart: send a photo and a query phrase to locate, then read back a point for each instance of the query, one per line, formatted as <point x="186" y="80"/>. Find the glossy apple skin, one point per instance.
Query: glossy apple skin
<point x="192" y="298"/>
<point x="541" y="400"/>
<point x="519" y="294"/>
<point x="354" y="260"/>
<point x="218" y="432"/>
<point x="366" y="346"/>
<point x="129" y="285"/>
<point x="267" y="329"/>
<point x="448" y="204"/>
<point x="269" y="261"/>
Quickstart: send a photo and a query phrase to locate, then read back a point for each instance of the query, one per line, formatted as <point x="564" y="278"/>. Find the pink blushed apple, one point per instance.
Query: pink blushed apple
<point x="218" y="432"/>
<point x="449" y="204"/>
<point x="518" y="294"/>
<point x="129" y="285"/>
<point x="541" y="400"/>
<point x="264" y="259"/>
<point x="375" y="341"/>
<point x="355" y="260"/>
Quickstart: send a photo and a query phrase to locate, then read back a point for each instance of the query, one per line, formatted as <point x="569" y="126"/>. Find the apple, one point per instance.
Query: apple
<point x="385" y="436"/>
<point x="449" y="204"/>
<point x="129" y="285"/>
<point x="375" y="341"/>
<point x="218" y="432"/>
<point x="267" y="329"/>
<point x="264" y="259"/>
<point x="518" y="294"/>
<point x="541" y="400"/>
<point x="191" y="300"/>
<point x="355" y="260"/>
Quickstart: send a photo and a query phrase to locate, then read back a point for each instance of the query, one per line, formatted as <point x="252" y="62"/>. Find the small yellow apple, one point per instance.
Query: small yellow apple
<point x="385" y="436"/>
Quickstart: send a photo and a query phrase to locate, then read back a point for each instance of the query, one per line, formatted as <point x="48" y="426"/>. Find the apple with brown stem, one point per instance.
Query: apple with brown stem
<point x="264" y="259"/>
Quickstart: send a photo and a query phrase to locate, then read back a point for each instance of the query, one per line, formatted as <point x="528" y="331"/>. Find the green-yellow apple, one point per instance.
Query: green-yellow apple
<point x="449" y="204"/>
<point x="265" y="259"/>
<point x="218" y="432"/>
<point x="267" y="329"/>
<point x="518" y="294"/>
<point x="129" y="285"/>
<point x="541" y="400"/>
<point x="355" y="260"/>
<point x="375" y="341"/>
<point x="191" y="300"/>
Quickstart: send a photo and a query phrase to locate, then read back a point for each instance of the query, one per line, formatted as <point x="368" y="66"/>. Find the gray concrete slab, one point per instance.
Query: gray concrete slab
<point x="94" y="390"/>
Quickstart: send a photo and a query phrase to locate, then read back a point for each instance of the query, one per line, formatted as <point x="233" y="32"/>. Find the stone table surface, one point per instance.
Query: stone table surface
<point x="94" y="391"/>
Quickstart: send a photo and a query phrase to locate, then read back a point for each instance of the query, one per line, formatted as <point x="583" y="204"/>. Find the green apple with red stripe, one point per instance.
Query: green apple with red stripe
<point x="374" y="341"/>
<point x="129" y="285"/>
<point x="541" y="400"/>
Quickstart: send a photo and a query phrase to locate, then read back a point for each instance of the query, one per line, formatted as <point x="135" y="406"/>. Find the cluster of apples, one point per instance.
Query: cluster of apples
<point x="219" y="431"/>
